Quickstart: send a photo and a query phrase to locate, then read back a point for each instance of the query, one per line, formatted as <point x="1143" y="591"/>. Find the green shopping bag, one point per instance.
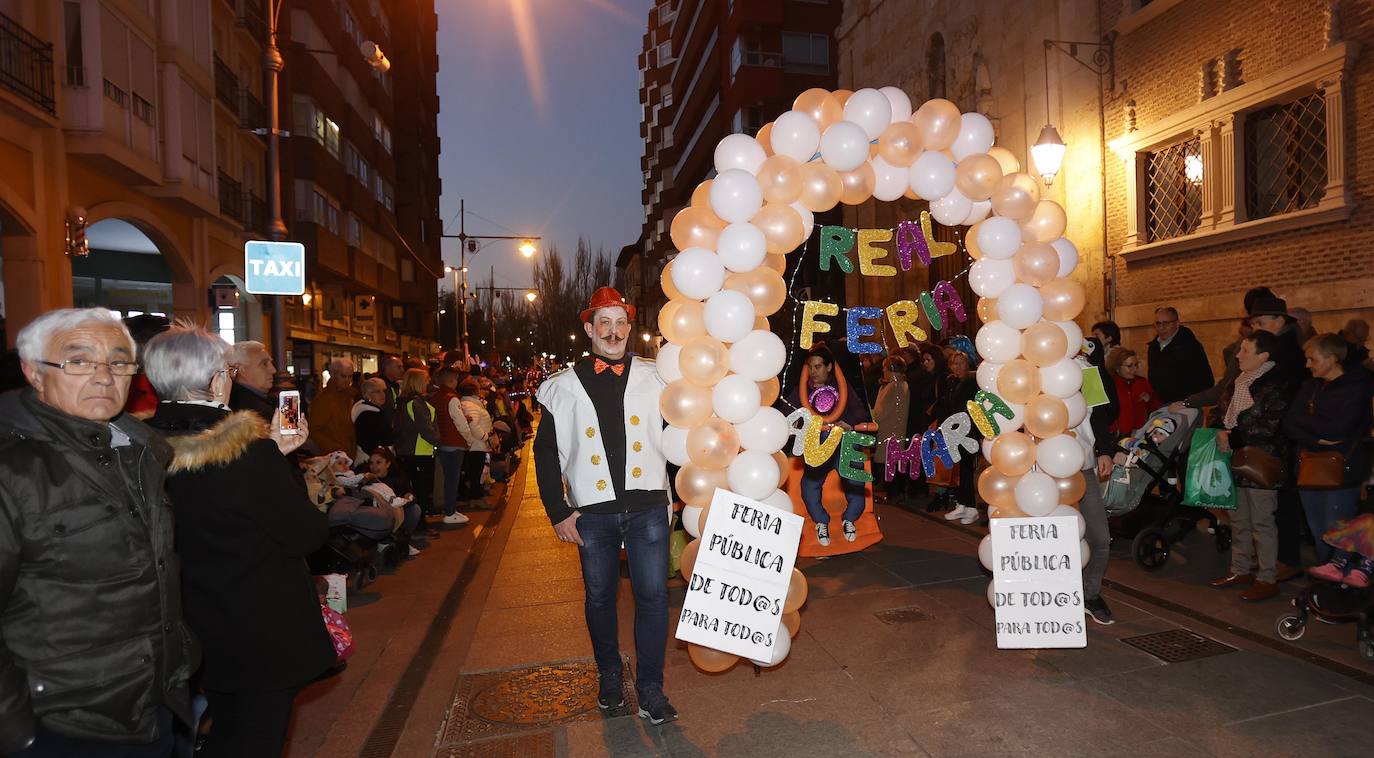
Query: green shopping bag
<point x="1207" y="481"/>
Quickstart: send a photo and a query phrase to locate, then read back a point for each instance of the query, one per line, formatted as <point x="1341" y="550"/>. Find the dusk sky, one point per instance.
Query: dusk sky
<point x="539" y="122"/>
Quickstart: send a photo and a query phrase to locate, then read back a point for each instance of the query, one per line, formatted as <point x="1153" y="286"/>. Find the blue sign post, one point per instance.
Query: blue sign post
<point x="274" y="268"/>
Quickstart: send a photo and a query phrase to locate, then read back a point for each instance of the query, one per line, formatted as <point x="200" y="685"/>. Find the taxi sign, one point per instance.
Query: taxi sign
<point x="274" y="268"/>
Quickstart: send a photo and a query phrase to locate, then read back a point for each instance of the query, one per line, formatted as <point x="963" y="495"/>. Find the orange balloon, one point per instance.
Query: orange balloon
<point x="1035" y="263"/>
<point x="765" y="138"/>
<point x="764" y="287"/>
<point x="705" y="360"/>
<point x="796" y="592"/>
<point x="784" y="464"/>
<point x="696" y="485"/>
<point x="685" y="404"/>
<point x="971" y="242"/>
<point x="858" y="184"/>
<point x="987" y="309"/>
<point x="1013" y="453"/>
<point x="1015" y="196"/>
<point x="775" y="262"/>
<point x="821" y="187"/>
<point x="1043" y="344"/>
<point x="781" y="179"/>
<point x="792" y="622"/>
<point x="1046" y="416"/>
<point x="695" y="227"/>
<point x="761" y="323"/>
<point x="1005" y="159"/>
<point x="713" y="444"/>
<point x="688" y="560"/>
<point x="1046" y="223"/>
<point x="710" y="660"/>
<point x="842" y="96"/>
<point x="665" y="280"/>
<point x="1071" y="489"/>
<point x="900" y="143"/>
<point x="782" y="227"/>
<point x="1008" y="510"/>
<point x="996" y="488"/>
<point x="977" y="175"/>
<point x="938" y="122"/>
<point x="701" y="196"/>
<point x="1064" y="299"/>
<point x="768" y="391"/>
<point x="682" y="320"/>
<point x="1017" y="382"/>
<point x="820" y="105"/>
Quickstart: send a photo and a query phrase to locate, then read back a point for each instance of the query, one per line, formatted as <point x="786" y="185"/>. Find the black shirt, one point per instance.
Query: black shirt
<point x="607" y="392"/>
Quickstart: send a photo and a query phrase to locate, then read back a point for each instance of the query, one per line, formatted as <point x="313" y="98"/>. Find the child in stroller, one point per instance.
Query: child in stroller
<point x="1341" y="592"/>
<point x="360" y="534"/>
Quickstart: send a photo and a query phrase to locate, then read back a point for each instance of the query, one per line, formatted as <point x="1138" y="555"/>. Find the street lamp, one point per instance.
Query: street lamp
<point x="1048" y="150"/>
<point x="467" y="243"/>
<point x="531" y="296"/>
<point x="527" y="248"/>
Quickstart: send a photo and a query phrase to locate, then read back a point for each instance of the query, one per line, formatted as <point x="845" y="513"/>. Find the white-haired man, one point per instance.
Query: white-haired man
<point x="254" y="372"/>
<point x="600" y="436"/>
<point x="94" y="660"/>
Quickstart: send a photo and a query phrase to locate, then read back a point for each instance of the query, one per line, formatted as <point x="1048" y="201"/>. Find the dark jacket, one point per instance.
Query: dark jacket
<point x="1101" y="418"/>
<point x="1260" y="425"/>
<point x="372" y="427"/>
<point x="1337" y="411"/>
<point x="1290" y="358"/>
<point x="1180" y="369"/>
<point x="243" y="528"/>
<point x="91" y="633"/>
<point x="242" y="398"/>
<point x="417" y="422"/>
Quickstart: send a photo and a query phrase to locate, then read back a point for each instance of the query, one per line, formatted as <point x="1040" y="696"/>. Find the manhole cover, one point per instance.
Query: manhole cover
<point x="521" y="746"/>
<point x="1178" y="645"/>
<point x="907" y="615"/>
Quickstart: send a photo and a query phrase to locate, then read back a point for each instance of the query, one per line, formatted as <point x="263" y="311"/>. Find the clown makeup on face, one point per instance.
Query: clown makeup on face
<point x="609" y="331"/>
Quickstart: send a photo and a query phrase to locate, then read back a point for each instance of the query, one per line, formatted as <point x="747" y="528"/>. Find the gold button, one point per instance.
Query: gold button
<point x="591" y="432"/>
<point x="596" y="460"/>
<point x="638" y="446"/>
<point x="601" y="484"/>
<point x="635" y="472"/>
<point x="634" y="421"/>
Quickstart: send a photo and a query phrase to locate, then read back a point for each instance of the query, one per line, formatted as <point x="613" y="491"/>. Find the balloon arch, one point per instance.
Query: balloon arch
<point x="721" y="363"/>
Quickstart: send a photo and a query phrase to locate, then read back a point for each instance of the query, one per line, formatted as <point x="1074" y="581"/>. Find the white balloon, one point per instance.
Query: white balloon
<point x="1062" y="379"/>
<point x="899" y="102"/>
<point x="844" y="146"/>
<point x="691" y="520"/>
<point x="729" y="315"/>
<point x="1059" y="456"/>
<point x="870" y="109"/>
<point x="1078" y="409"/>
<point x="741" y="246"/>
<point x="985" y="552"/>
<point x="1017" y="420"/>
<point x="698" y="273"/>
<point x="987" y="277"/>
<point x="987" y="375"/>
<point x="765" y="431"/>
<point x="735" y="196"/>
<point x="1084" y="552"/>
<point x="736" y="399"/>
<point x="782" y="645"/>
<point x="975" y="136"/>
<point x="1074" y="333"/>
<point x="999" y="238"/>
<point x="1036" y="494"/>
<point x="889" y="181"/>
<point x="674" y="445"/>
<point x="986" y="446"/>
<point x="753" y="474"/>
<point x="780" y="500"/>
<point x="951" y="209"/>
<point x="739" y="151"/>
<point x="1068" y="256"/>
<point x="1069" y="510"/>
<point x="759" y="355"/>
<point x="795" y="135"/>
<point x="667" y="362"/>
<point x="998" y="342"/>
<point x="979" y="211"/>
<point x="992" y="590"/>
<point x="808" y="218"/>
<point x="1020" y="305"/>
<point x="931" y="175"/>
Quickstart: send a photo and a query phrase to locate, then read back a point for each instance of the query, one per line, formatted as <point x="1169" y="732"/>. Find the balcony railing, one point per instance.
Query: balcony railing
<point x="255" y="216"/>
<point x="254" y="19"/>
<point x="252" y="113"/>
<point x="26" y="65"/>
<point x="230" y="197"/>
<point x="226" y="84"/>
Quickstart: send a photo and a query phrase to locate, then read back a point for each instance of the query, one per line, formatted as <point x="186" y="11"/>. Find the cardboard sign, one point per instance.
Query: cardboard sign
<point x="739" y="583"/>
<point x="1038" y="582"/>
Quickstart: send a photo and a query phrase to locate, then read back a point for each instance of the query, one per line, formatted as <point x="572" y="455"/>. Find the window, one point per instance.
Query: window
<point x="76" y="57"/>
<point x="381" y="132"/>
<point x="331" y="136"/>
<point x="407" y="270"/>
<point x="1285" y="157"/>
<point x="935" y="66"/>
<point x="1173" y="194"/>
<point x="225" y="325"/>
<point x="807" y="53"/>
<point x="748" y="120"/>
<point x="326" y="211"/>
<point x="667" y="101"/>
<point x="355" y="231"/>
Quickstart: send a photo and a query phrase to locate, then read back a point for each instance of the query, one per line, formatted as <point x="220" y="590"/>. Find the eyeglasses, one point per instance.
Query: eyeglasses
<point x="83" y="367"/>
<point x="232" y="371"/>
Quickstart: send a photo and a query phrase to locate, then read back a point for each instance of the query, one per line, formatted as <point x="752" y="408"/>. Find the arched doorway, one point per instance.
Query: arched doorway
<point x="234" y="314"/>
<point x="125" y="272"/>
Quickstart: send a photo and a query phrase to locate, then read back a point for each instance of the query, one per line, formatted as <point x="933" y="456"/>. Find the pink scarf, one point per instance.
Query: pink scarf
<point x="1240" y="398"/>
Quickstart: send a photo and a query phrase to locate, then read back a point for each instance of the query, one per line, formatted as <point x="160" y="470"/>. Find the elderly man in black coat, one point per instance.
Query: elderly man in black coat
<point x="1178" y="364"/>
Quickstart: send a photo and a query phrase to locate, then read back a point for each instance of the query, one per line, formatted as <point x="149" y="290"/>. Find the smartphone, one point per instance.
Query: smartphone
<point x="289" y="405"/>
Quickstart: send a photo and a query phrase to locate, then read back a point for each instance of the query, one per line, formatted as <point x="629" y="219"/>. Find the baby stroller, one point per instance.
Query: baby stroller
<point x="1145" y="489"/>
<point x="360" y="534"/>
<point x="1331" y="603"/>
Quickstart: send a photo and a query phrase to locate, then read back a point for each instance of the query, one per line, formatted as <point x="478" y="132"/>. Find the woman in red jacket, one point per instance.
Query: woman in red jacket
<point x="1133" y="391"/>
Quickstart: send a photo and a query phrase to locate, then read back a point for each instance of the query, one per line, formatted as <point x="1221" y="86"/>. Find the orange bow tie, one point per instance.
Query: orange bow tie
<point x="600" y="365"/>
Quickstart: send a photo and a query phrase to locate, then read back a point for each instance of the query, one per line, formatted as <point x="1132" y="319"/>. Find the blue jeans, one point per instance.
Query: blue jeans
<point x="813" y="481"/>
<point x="645" y="535"/>
<point x="1324" y="508"/>
<point x="412" y="519"/>
<point x="450" y="461"/>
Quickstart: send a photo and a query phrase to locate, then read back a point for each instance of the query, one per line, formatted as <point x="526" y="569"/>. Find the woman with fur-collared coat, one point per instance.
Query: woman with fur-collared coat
<point x="243" y="529"/>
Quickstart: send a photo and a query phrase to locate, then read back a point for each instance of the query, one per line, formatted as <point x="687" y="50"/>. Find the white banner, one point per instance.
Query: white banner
<point x="1038" y="582"/>
<point x="739" y="583"/>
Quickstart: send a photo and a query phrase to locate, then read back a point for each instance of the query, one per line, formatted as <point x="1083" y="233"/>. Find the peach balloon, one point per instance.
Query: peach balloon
<point x="1043" y="344"/>
<point x="1013" y="453"/>
<point x="701" y="196"/>
<point x="776" y="262"/>
<point x="685" y="404"/>
<point x="842" y="96"/>
<point x="768" y="391"/>
<point x="695" y="227"/>
<point x="1071" y="489"/>
<point x="796" y="592"/>
<point x="701" y="517"/>
<point x="821" y="187"/>
<point x="765" y="138"/>
<point x="780" y="178"/>
<point x="1017" y="382"/>
<point x="764" y="286"/>
<point x="1008" y="510"/>
<point x="665" y="280"/>
<point x="792" y="622"/>
<point x="782" y="227"/>
<point x="987" y="309"/>
<point x="713" y="444"/>
<point x="1064" y="299"/>
<point x="688" y="560"/>
<point x="977" y="175"/>
<point x="971" y="242"/>
<point x="938" y="122"/>
<point x="1015" y="196"/>
<point x="820" y="105"/>
<point x="761" y="323"/>
<point x="1046" y="224"/>
<point x="1035" y="263"/>
<point x="710" y="660"/>
<point x="696" y="485"/>
<point x="900" y="143"/>
<point x="784" y="463"/>
<point x="682" y="320"/>
<point x="705" y="360"/>
<point x="1005" y="159"/>
<point x="858" y="185"/>
<point x="1046" y="416"/>
<point x="996" y="488"/>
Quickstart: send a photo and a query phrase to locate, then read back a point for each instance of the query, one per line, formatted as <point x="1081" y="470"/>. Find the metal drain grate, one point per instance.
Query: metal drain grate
<point x="906" y="615"/>
<point x="540" y="745"/>
<point x="1178" y="645"/>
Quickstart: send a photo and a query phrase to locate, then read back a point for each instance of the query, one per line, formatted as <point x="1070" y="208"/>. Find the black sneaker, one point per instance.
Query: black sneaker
<point x="851" y="532"/>
<point x="658" y="712"/>
<point x="611" y="696"/>
<point x="1097" y="608"/>
<point x="823" y="534"/>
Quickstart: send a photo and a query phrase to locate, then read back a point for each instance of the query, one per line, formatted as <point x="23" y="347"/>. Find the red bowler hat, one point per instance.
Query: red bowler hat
<point x="607" y="297"/>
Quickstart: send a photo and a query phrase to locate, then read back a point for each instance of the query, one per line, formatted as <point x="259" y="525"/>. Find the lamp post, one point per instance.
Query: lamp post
<point x="527" y="249"/>
<point x="1048" y="150"/>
